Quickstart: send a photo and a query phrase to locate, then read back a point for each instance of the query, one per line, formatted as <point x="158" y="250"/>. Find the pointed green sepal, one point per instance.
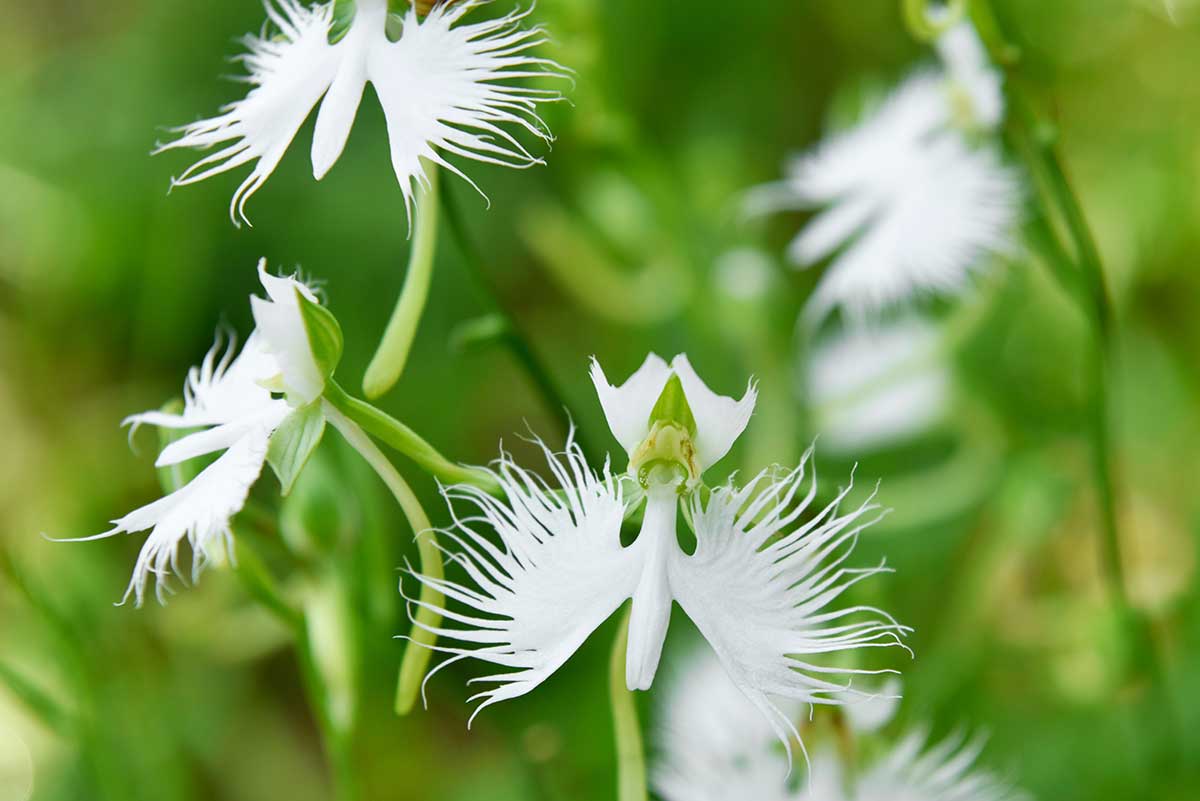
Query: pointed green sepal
<point x="294" y="442"/>
<point x="324" y="334"/>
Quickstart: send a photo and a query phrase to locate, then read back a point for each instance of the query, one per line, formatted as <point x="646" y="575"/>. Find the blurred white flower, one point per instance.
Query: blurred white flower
<point x="230" y="400"/>
<point x="711" y="744"/>
<point x="913" y="198"/>
<point x="915" y="771"/>
<point x="761" y="586"/>
<point x="712" y="747"/>
<point x="443" y="86"/>
<point x="873" y="386"/>
<point x="744" y="274"/>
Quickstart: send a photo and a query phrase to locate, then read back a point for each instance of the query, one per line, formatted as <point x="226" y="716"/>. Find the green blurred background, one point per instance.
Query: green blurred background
<point x="109" y="289"/>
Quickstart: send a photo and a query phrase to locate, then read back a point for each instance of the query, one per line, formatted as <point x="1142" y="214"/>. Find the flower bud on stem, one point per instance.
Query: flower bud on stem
<point x="392" y="355"/>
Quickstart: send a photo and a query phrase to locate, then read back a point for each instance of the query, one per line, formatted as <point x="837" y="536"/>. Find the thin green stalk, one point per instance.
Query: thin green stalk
<point x="420" y="647"/>
<point x="402" y="438"/>
<point x="516" y="341"/>
<point x="389" y="360"/>
<point x="631" y="756"/>
<point x="339" y="746"/>
<point x="256" y="578"/>
<point x="37" y="701"/>
<point x="1092" y="292"/>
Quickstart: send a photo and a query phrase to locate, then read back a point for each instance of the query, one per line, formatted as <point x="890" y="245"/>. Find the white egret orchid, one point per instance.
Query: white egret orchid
<point x="875" y="386"/>
<point x="444" y="86"/>
<point x="239" y="404"/>
<point x="913" y="198"/>
<point x="760" y="586"/>
<point x="713" y="747"/>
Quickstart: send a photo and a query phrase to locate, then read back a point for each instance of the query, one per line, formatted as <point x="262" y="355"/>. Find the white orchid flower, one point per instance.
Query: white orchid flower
<point x="238" y="403"/>
<point x="712" y="746"/>
<point x="761" y="585"/>
<point x="444" y="86"/>
<point x="914" y="198"/>
<point x="875" y="386"/>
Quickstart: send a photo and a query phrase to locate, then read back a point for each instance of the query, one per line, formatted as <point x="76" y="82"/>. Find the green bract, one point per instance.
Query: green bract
<point x="324" y="334"/>
<point x="293" y="443"/>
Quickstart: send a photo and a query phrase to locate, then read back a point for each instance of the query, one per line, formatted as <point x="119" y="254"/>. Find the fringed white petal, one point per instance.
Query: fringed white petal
<point x="762" y="588"/>
<point x="447" y="87"/>
<point x="944" y="772"/>
<point x="198" y="513"/>
<point x="956" y="207"/>
<point x="218" y="438"/>
<point x="908" y="206"/>
<point x="720" y="420"/>
<point x="627" y="407"/>
<point x="284" y="334"/>
<point x="868" y="155"/>
<point x="222" y="388"/>
<point x="713" y="744"/>
<point x="557" y="572"/>
<point x="290" y="68"/>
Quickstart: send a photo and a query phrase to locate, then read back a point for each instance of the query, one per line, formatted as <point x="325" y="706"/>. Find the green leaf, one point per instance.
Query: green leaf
<point x="293" y="443"/>
<point x="324" y="334"/>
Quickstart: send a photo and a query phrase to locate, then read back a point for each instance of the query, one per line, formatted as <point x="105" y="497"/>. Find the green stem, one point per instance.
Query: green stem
<point x="388" y="362"/>
<point x="399" y="436"/>
<point x="420" y="647"/>
<point x="631" y="758"/>
<point x="516" y="341"/>
<point x="256" y="578"/>
<point x="45" y="708"/>
<point x="338" y="743"/>
<point x="1092" y="292"/>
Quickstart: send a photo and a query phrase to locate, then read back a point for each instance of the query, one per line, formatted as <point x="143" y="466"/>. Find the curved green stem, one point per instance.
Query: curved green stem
<point x="399" y="436"/>
<point x="517" y="342"/>
<point x="257" y="580"/>
<point x="388" y="362"/>
<point x="416" y="656"/>
<point x="631" y="757"/>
